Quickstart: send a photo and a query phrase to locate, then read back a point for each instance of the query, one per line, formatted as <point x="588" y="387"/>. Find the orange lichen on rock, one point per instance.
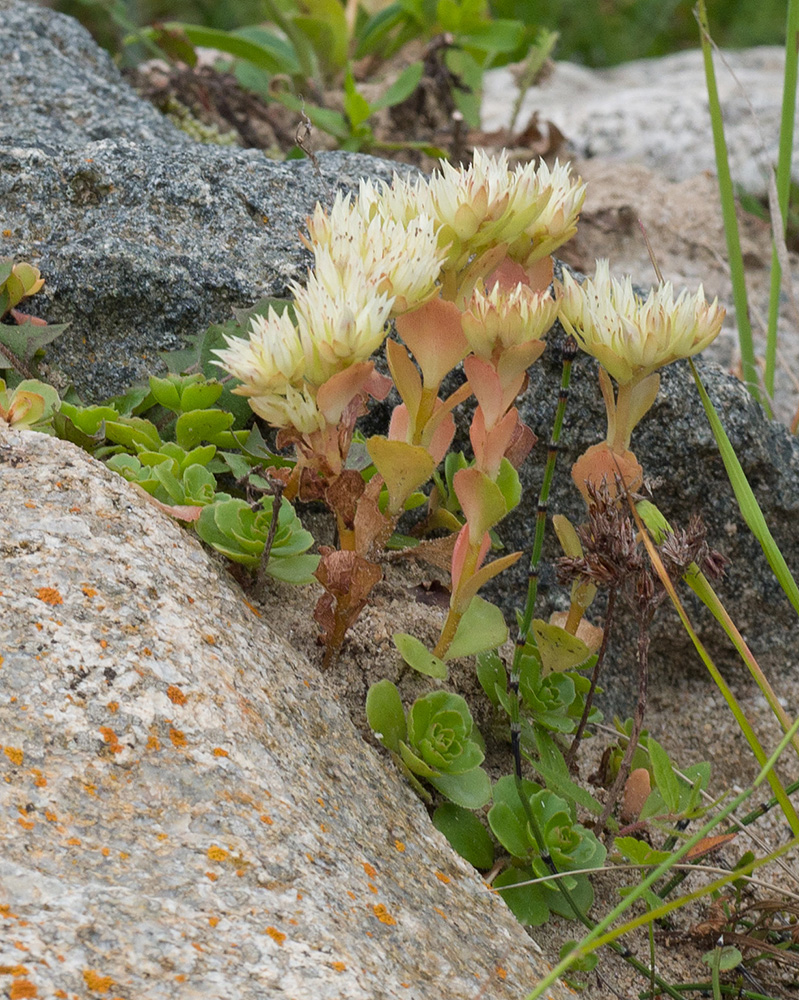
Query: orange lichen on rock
<point x="14" y="754"/>
<point x="443" y="878"/>
<point x="339" y="966"/>
<point x="175" y="695"/>
<point x="49" y="595"/>
<point x="96" y="982"/>
<point x="399" y="846"/>
<point x="111" y="739"/>
<point x="266" y="819"/>
<point x="370" y="870"/>
<point x="88" y="591"/>
<point x="275" y="934"/>
<point x="502" y="973"/>
<point x="218" y="853"/>
<point x="383" y="915"/>
<point x="178" y="738"/>
<point x="22" y="989"/>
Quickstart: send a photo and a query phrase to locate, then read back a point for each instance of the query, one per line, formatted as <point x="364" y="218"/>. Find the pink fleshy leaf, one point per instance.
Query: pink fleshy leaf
<point x="435" y="336"/>
<point x="486" y="387"/>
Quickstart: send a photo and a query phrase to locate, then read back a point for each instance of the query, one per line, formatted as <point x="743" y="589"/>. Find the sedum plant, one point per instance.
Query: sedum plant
<point x="569" y="845"/>
<point x="436" y="741"/>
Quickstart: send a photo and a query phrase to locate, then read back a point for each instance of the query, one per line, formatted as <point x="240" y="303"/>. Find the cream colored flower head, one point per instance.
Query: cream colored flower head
<point x="291" y="408"/>
<point x="632" y="337"/>
<point x="505" y="318"/>
<point x="269" y="360"/>
<point x="363" y="242"/>
<point x="557" y="222"/>
<point x="341" y="319"/>
<point x="483" y="204"/>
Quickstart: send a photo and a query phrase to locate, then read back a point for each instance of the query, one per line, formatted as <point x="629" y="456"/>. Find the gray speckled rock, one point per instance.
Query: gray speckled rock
<point x="184" y="809"/>
<point x="655" y="111"/>
<point x="143" y="236"/>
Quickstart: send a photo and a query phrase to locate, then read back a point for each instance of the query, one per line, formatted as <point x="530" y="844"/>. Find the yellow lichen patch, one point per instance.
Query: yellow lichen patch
<point x="443" y="878"/>
<point x="26" y="824"/>
<point x="219" y="752"/>
<point x="502" y="973"/>
<point x="275" y="934"/>
<point x="113" y="707"/>
<point x="153" y="742"/>
<point x="96" y="982"/>
<point x="383" y="915"/>
<point x="440" y="912"/>
<point x="370" y="870"/>
<point x="88" y="591"/>
<point x="14" y="754"/>
<point x="209" y="639"/>
<point x="178" y="738"/>
<point x="211" y="876"/>
<point x="266" y="819"/>
<point x="22" y="989"/>
<point x="74" y="841"/>
<point x="339" y="966"/>
<point x="38" y="778"/>
<point x="213" y="921"/>
<point x="175" y="695"/>
<point x="399" y="846"/>
<point x="373" y="888"/>
<point x="49" y="595"/>
<point x="218" y="853"/>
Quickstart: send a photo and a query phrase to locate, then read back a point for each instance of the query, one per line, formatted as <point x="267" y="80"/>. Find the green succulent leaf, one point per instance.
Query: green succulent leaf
<point x="418" y="656"/>
<point x="466" y="834"/>
<point x="481" y="628"/>
<point x="385" y="714"/>
<point x="471" y="790"/>
<point x="491" y="674"/>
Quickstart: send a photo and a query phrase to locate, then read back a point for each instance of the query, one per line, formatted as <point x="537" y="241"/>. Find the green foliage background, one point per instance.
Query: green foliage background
<point x="593" y="32"/>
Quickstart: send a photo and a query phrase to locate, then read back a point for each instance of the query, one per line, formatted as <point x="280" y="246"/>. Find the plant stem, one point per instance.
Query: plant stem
<point x="638" y="720"/>
<point x="589" y="700"/>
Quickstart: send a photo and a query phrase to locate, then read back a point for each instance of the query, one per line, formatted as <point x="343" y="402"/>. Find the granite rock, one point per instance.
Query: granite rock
<point x="185" y="810"/>
<point x="144" y="236"/>
<point x="655" y="111"/>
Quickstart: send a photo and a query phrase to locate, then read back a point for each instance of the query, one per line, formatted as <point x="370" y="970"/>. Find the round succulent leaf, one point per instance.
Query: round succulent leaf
<point x="526" y="902"/>
<point x="415" y="763"/>
<point x="418" y="656"/>
<point x="466" y="834"/>
<point x="200" y="395"/>
<point x="509" y="829"/>
<point x="298" y="570"/>
<point x="491" y="674"/>
<point x="471" y="790"/>
<point x="385" y="714"/>
<point x="196" y="426"/>
<point x="481" y="628"/>
<point x="166" y="393"/>
<point x="207" y="528"/>
<point x="135" y="433"/>
<point x="559" y="650"/>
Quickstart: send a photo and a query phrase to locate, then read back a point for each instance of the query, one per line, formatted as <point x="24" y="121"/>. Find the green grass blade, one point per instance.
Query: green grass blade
<point x="750" y="509"/>
<point x="783" y="182"/>
<point x="727" y="196"/>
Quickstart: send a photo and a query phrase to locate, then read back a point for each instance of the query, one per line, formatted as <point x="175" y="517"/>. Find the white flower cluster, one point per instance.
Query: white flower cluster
<point x="631" y="337"/>
<point x="380" y="254"/>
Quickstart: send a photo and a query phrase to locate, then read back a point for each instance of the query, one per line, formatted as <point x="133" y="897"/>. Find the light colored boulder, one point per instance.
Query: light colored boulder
<point x="185" y="811"/>
<point x="655" y="111"/>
